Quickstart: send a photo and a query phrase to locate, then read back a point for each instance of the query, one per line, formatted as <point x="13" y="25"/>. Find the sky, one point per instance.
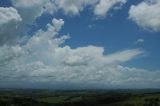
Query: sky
<point x="80" y="44"/>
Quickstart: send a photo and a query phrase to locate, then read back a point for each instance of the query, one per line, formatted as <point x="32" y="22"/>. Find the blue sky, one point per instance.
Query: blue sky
<point x="120" y="31"/>
<point x="114" y="33"/>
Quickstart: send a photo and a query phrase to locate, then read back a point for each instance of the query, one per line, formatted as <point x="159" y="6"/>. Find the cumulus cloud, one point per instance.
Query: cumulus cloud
<point x="43" y="60"/>
<point x="9" y="21"/>
<point x="9" y="14"/>
<point x="146" y="14"/>
<point x="29" y="9"/>
<point x="14" y="20"/>
<point x="69" y="7"/>
<point x="100" y="7"/>
<point x="58" y="23"/>
<point x="73" y="7"/>
<point x="104" y="6"/>
<point x="38" y="7"/>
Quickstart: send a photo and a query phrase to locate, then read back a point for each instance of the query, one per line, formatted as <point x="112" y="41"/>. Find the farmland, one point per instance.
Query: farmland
<point x="21" y="97"/>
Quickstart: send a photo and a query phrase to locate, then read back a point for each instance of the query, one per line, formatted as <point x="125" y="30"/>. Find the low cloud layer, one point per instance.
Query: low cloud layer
<point x="43" y="60"/>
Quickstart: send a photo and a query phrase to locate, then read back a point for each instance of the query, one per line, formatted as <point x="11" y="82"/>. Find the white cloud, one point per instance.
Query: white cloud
<point x="123" y="56"/>
<point x="9" y="14"/>
<point x="146" y="14"/>
<point x="15" y="21"/>
<point x="50" y="7"/>
<point x="38" y="7"/>
<point x="42" y="60"/>
<point x="9" y="22"/>
<point x="140" y="40"/>
<point x="29" y="9"/>
<point x="25" y="13"/>
<point x="27" y="3"/>
<point x="73" y="7"/>
<point x="104" y="6"/>
<point x="69" y="7"/>
<point x="58" y="23"/>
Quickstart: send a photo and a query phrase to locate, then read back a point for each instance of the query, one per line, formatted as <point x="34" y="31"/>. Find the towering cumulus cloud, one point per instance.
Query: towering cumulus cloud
<point x="146" y="14"/>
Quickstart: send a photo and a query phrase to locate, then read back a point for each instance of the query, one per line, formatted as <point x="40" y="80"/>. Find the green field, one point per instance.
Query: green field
<point x="80" y="98"/>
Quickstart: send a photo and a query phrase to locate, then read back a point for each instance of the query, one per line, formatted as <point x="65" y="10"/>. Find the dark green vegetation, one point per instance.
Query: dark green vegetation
<point x="79" y="98"/>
